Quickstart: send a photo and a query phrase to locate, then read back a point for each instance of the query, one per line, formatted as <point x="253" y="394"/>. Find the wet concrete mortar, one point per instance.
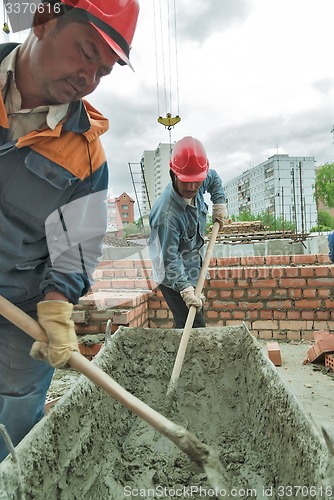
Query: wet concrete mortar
<point x="264" y="423"/>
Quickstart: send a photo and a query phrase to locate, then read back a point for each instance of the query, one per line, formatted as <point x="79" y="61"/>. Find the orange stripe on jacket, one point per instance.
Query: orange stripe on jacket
<point x="77" y="153"/>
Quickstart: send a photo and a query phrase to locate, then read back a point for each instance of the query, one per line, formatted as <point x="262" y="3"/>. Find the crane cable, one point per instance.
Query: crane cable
<point x="169" y="121"/>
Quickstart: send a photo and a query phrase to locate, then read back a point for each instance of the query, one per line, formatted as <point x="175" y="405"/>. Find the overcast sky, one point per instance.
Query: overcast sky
<point x="251" y="78"/>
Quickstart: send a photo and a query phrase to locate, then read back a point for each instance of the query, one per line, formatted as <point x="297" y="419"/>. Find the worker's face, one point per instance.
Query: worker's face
<point x="187" y="189"/>
<point x="69" y="61"/>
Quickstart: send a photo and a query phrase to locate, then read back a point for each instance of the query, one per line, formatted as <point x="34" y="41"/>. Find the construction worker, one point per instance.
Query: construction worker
<point x="178" y="225"/>
<point x="53" y="186"/>
<point x="331" y="246"/>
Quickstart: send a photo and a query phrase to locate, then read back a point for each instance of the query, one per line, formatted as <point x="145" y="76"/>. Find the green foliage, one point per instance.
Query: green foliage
<point x="270" y="222"/>
<point x="325" y="222"/>
<point x="324" y="185"/>
<point x="325" y="219"/>
<point x="132" y="229"/>
<point x="319" y="229"/>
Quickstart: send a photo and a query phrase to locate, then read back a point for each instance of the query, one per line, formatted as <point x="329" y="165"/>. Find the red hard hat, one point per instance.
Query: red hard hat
<point x="189" y="161"/>
<point x="115" y="20"/>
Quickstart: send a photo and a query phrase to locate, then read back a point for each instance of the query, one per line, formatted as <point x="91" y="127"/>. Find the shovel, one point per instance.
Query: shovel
<point x="197" y="451"/>
<point x="191" y="316"/>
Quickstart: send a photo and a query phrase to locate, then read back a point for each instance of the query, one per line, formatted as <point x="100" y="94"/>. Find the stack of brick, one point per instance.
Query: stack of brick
<point x="120" y="293"/>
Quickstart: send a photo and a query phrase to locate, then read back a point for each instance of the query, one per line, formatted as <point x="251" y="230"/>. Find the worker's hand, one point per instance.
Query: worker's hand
<point x="189" y="297"/>
<point x="55" y="317"/>
<point x="220" y="214"/>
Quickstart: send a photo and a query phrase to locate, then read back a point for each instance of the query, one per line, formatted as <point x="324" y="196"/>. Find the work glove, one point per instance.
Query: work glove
<point x="55" y="317"/>
<point x="189" y="297"/>
<point x="220" y="214"/>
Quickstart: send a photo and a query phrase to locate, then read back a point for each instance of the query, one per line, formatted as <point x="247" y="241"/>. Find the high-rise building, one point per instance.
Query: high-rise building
<point x="282" y="185"/>
<point x="155" y="172"/>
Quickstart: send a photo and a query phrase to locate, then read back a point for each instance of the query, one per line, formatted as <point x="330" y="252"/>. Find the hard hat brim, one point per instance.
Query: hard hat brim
<point x="116" y="48"/>
<point x="192" y="178"/>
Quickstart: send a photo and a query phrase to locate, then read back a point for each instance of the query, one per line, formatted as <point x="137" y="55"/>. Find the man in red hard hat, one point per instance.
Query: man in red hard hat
<point x="53" y="186"/>
<point x="178" y="225"/>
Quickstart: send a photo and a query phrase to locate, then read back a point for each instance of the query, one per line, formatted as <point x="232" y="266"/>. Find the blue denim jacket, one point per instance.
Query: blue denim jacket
<point x="50" y="226"/>
<point x="177" y="233"/>
<point x="331" y="246"/>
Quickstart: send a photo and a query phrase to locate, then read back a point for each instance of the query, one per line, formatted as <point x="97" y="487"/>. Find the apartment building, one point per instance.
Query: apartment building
<point x="282" y="185"/>
<point x="120" y="213"/>
<point x="155" y="174"/>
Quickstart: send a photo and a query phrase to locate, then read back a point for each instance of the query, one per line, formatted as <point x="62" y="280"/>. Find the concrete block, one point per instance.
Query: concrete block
<point x="274" y="353"/>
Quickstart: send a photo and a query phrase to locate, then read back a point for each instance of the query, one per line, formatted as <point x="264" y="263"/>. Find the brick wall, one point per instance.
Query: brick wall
<point x="285" y="297"/>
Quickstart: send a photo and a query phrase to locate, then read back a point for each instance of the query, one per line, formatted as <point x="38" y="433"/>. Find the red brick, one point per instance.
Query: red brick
<point x="289" y="283"/>
<point x="292" y="272"/>
<point x="266" y="283"/>
<point x="321" y="271"/>
<point x="282" y="260"/>
<point x="238" y="294"/>
<point x="294" y="315"/>
<point x="228" y="261"/>
<point x="279" y="314"/>
<point x="277" y="272"/>
<point x="322" y="315"/>
<point x="264" y="273"/>
<point x="253" y="292"/>
<point x="322" y="335"/>
<point x="303" y="259"/>
<point x="253" y="260"/>
<point x="320" y="348"/>
<point x="321" y="282"/>
<point x="264" y="314"/>
<point x="323" y="258"/>
<point x="274" y="353"/>
<point x="329" y="361"/>
<point x="307" y="271"/>
<point x="309" y="292"/>
<point x="238" y="314"/>
<point x="250" y="273"/>
<point x="294" y="294"/>
<point x="307" y="315"/>
<point x="308" y="304"/>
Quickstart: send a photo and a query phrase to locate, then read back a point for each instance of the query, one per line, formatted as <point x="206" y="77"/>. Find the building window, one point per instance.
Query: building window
<point x="125" y="207"/>
<point x="125" y="215"/>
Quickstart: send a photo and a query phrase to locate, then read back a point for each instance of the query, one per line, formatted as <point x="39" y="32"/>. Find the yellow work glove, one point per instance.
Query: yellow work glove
<point x="190" y="299"/>
<point x="220" y="214"/>
<point x="55" y="317"/>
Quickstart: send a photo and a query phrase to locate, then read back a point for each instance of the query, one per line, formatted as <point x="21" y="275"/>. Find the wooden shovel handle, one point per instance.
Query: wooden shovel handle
<point x="82" y="365"/>
<point x="191" y="314"/>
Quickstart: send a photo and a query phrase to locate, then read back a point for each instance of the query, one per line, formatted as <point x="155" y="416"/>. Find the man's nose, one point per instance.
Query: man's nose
<point x="89" y="74"/>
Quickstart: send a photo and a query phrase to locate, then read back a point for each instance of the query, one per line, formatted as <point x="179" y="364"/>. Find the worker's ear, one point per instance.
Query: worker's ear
<point x="44" y="19"/>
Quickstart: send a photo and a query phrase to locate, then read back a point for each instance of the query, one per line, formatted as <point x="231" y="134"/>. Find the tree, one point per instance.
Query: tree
<point x="324" y="185"/>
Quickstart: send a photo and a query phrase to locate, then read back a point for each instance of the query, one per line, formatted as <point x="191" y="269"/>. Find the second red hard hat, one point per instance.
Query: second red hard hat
<point x="189" y="161"/>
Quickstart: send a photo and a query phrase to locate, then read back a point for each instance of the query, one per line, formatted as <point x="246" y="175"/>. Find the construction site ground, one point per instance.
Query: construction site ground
<point x="311" y="383"/>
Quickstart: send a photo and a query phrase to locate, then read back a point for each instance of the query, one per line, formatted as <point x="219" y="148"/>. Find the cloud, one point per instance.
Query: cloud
<point x="197" y="19"/>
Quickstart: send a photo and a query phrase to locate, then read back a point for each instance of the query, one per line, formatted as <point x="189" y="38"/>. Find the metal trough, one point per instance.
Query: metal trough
<point x="229" y="394"/>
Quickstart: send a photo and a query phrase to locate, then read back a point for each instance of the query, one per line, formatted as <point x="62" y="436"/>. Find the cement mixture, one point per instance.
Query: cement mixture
<point x="229" y="395"/>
